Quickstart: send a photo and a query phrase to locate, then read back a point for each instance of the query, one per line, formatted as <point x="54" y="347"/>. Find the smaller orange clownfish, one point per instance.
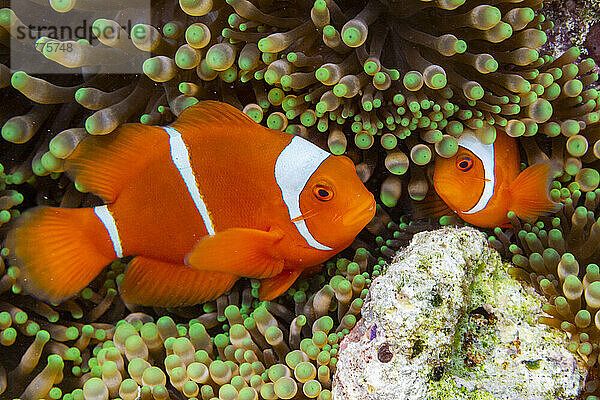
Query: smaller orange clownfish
<point x="200" y="203"/>
<point x="483" y="182"/>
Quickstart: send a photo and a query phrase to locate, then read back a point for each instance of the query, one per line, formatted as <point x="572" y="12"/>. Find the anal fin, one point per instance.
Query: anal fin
<point x="239" y="251"/>
<point x="275" y="286"/>
<point x="151" y="282"/>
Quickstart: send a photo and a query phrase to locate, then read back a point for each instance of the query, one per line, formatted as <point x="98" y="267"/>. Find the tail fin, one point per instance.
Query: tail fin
<point x="58" y="250"/>
<point x="530" y="191"/>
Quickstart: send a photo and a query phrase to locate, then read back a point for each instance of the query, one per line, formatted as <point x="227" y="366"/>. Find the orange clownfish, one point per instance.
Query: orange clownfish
<point x="200" y="203"/>
<point x="483" y="182"/>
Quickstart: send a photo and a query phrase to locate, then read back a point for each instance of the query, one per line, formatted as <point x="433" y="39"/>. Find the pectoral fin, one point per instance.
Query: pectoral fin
<point x="432" y="206"/>
<point x="239" y="251"/>
<point x="276" y="285"/>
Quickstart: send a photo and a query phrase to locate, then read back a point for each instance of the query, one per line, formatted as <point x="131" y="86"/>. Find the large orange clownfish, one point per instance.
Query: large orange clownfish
<point x="200" y="203"/>
<point x="483" y="182"/>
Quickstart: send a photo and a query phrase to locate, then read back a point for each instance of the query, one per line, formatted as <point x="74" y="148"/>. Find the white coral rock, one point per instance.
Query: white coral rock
<point x="446" y="321"/>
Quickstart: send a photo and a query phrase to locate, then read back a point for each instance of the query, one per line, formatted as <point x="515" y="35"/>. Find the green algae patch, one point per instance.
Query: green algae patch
<point x="446" y="388"/>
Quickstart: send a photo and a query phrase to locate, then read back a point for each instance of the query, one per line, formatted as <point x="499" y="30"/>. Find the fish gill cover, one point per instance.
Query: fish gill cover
<point x="392" y="84"/>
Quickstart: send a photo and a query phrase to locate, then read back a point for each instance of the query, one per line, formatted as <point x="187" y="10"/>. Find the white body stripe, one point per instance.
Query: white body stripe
<point x="294" y="167"/>
<point x="485" y="152"/>
<point x="181" y="159"/>
<point x="108" y="221"/>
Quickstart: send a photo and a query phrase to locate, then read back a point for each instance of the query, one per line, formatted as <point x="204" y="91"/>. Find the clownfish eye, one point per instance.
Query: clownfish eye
<point x="322" y="193"/>
<point x="464" y="164"/>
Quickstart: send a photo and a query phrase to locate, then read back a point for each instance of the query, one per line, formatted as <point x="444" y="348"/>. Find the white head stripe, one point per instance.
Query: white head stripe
<point x="485" y="152"/>
<point x="181" y="159"/>
<point x="108" y="221"/>
<point x="294" y="167"/>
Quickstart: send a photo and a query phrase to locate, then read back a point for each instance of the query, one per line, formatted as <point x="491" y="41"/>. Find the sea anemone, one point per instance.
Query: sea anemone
<point x="412" y="76"/>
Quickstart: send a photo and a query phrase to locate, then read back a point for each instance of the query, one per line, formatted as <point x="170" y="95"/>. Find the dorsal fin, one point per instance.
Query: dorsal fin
<point x="212" y="113"/>
<point x="104" y="164"/>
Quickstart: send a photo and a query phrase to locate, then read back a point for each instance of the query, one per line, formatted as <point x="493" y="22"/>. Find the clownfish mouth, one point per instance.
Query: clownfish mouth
<point x="359" y="215"/>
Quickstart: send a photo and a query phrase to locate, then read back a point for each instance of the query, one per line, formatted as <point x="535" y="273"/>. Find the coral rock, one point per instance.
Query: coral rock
<point x="446" y="321"/>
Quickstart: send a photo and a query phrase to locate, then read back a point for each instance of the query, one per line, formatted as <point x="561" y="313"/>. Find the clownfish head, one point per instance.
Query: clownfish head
<point x="339" y="203"/>
<point x="465" y="181"/>
<point x="326" y="200"/>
